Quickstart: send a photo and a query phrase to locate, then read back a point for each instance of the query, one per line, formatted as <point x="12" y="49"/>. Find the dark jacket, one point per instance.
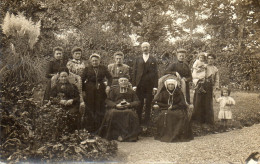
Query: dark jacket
<point x="66" y="92"/>
<point x="54" y="66"/>
<point x="118" y="72"/>
<point x="89" y="75"/>
<point x="182" y="68"/>
<point x="178" y="100"/>
<point x="115" y="97"/>
<point x="151" y="71"/>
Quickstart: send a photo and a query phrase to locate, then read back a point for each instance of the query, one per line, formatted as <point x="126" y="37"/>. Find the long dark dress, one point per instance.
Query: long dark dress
<point x="53" y="67"/>
<point x="203" y="102"/>
<point x="184" y="70"/>
<point x="123" y="122"/>
<point x="173" y="125"/>
<point x="95" y="95"/>
<point x="66" y="92"/>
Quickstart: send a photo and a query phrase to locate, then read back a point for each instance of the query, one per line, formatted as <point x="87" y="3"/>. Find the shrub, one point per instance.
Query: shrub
<point x="20" y="27"/>
<point x="19" y="60"/>
<point x="30" y="132"/>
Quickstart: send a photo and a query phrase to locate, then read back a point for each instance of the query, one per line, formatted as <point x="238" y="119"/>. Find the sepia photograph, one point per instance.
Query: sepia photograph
<point x="130" y="81"/>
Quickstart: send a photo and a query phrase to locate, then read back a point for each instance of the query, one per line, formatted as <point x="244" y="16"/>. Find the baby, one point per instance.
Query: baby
<point x="199" y="72"/>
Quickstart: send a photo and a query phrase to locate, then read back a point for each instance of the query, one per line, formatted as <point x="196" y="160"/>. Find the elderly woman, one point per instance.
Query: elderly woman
<point x="95" y="90"/>
<point x="76" y="65"/>
<point x="121" y="122"/>
<point x="203" y="101"/>
<point x="67" y="95"/>
<point x="173" y="123"/>
<point x="183" y="69"/>
<point x="53" y="68"/>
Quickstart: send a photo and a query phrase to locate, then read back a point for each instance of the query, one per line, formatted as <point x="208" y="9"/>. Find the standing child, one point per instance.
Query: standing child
<point x="199" y="72"/>
<point x="225" y="102"/>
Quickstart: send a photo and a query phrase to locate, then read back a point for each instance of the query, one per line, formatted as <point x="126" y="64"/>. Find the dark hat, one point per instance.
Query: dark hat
<point x="75" y="49"/>
<point x="181" y="50"/>
<point x="57" y="49"/>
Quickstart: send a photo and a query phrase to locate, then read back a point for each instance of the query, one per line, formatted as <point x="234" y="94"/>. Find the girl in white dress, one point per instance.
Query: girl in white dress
<point x="225" y="102"/>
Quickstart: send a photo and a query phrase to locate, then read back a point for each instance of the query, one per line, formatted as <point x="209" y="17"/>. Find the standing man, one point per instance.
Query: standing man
<point x="118" y="69"/>
<point x="145" y="81"/>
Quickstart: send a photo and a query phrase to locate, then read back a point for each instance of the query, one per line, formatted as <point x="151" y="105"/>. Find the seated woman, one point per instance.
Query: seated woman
<point x="67" y="95"/>
<point x="120" y="121"/>
<point x="53" y="68"/>
<point x="173" y="123"/>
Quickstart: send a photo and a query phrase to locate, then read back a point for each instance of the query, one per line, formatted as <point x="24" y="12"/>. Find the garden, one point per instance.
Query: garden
<point x="31" y="131"/>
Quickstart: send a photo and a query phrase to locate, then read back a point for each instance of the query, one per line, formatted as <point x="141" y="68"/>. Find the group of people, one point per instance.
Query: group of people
<point x="114" y="98"/>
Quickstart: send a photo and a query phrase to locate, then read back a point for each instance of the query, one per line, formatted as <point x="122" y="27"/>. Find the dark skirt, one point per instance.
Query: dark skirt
<point x="188" y="92"/>
<point x="95" y="106"/>
<point x="203" y="105"/>
<point x="122" y="123"/>
<point x="173" y="126"/>
<point x="47" y="91"/>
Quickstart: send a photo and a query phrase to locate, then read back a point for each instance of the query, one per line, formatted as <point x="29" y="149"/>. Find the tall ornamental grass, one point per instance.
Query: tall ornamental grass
<point x="20" y="61"/>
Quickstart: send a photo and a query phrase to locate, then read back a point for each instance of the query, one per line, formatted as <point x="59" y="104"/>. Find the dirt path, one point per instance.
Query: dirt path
<point x="234" y="146"/>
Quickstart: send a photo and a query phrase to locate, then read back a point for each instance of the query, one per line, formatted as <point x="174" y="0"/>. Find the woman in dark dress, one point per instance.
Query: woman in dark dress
<point x="67" y="95"/>
<point x="53" y="68"/>
<point x="121" y="122"/>
<point x="203" y="101"/>
<point x="183" y="70"/>
<point x="95" y="90"/>
<point x="173" y="123"/>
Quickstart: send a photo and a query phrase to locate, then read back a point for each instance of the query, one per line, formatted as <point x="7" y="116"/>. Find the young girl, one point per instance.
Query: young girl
<point x="199" y="72"/>
<point x="226" y="102"/>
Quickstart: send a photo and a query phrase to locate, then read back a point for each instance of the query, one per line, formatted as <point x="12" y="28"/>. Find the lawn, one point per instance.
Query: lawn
<point x="246" y="112"/>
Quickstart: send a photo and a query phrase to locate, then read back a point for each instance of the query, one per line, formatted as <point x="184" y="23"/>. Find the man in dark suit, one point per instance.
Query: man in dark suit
<point x="145" y="81"/>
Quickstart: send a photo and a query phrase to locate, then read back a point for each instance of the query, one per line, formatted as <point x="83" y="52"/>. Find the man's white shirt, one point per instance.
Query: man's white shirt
<point x="145" y="57"/>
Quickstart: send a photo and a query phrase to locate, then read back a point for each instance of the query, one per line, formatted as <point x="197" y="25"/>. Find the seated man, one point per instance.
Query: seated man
<point x="120" y="121"/>
<point x="67" y="95"/>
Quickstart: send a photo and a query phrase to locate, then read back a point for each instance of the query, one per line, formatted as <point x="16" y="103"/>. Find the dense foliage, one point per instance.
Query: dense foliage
<point x="230" y="29"/>
<point x="32" y="132"/>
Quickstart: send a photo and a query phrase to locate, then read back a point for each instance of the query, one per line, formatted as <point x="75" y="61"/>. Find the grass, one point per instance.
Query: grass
<point x="246" y="112"/>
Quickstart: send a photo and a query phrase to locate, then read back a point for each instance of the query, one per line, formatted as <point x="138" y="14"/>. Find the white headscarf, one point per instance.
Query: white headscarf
<point x="175" y="83"/>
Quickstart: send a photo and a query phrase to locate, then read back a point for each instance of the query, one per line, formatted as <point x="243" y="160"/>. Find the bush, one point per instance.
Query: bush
<point x="30" y="132"/>
<point x="19" y="61"/>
